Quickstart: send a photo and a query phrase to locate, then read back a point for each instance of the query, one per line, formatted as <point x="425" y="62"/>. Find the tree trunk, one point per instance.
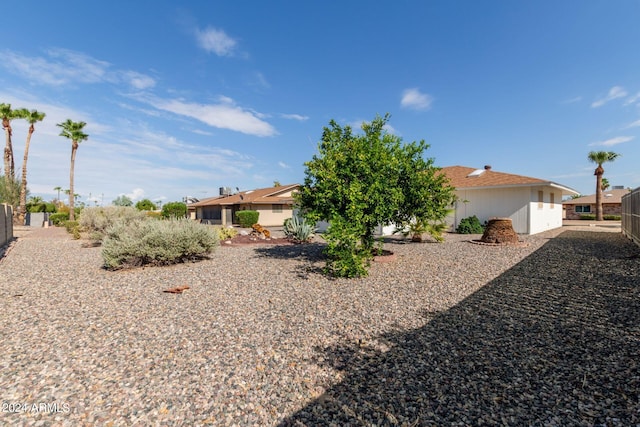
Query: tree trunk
<point x="74" y="147"/>
<point x="598" y="174"/>
<point x="7" y="152"/>
<point x="23" y="182"/>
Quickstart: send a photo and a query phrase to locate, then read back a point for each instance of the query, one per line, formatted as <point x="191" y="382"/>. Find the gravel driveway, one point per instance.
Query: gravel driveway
<point x="448" y="334"/>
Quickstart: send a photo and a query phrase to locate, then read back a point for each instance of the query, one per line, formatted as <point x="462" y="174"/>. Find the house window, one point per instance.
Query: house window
<point x="276" y="208"/>
<point x="552" y="200"/>
<point x="540" y="199"/>
<point x="583" y="208"/>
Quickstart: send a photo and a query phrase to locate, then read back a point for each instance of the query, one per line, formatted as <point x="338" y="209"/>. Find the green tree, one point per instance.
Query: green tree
<point x="32" y="117"/>
<point x="174" y="210"/>
<point x="146" y="205"/>
<point x="73" y="131"/>
<point x="599" y="158"/>
<point x="9" y="190"/>
<point x="358" y="182"/>
<point x="122" y="200"/>
<point x="605" y="184"/>
<point x="58" y="189"/>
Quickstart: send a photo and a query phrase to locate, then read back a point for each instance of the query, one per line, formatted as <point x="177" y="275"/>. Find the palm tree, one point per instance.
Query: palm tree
<point x="605" y="184"/>
<point x="58" y="189"/>
<point x="600" y="157"/>
<point x="73" y="131"/>
<point x="9" y="168"/>
<point x="32" y="117"/>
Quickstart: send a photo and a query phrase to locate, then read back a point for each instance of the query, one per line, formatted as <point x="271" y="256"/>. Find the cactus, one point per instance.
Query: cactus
<point x="298" y="229"/>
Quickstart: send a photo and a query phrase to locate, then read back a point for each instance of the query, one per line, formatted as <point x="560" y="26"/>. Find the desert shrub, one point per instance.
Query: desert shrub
<point x="346" y="255"/>
<point x="470" y="225"/>
<point x="588" y="217"/>
<point x="72" y="227"/>
<point x="95" y="221"/>
<point x="174" y="210"/>
<point x="611" y="217"/>
<point x="299" y="230"/>
<point x="140" y="242"/>
<point x="153" y="214"/>
<point x="247" y="218"/>
<point x="226" y="233"/>
<point x="59" y="218"/>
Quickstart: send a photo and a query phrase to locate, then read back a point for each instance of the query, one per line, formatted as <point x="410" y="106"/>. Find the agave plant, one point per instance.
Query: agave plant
<point x="299" y="229"/>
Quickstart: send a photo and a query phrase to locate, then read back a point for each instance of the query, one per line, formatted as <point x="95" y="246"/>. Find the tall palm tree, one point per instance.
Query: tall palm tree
<point x="600" y="157"/>
<point x="9" y="168"/>
<point x="32" y="117"/>
<point x="59" y="189"/>
<point x="73" y="131"/>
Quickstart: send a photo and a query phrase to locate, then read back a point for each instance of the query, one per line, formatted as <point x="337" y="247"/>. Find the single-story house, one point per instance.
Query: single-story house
<point x="274" y="204"/>
<point x="534" y="205"/>
<point x="611" y="204"/>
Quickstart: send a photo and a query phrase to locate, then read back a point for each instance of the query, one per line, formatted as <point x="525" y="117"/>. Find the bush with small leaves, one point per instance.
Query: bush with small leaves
<point x="226" y="233"/>
<point x="470" y="225"/>
<point x="96" y="220"/>
<point x="144" y="242"/>
<point x="247" y="218"/>
<point x="59" y="218"/>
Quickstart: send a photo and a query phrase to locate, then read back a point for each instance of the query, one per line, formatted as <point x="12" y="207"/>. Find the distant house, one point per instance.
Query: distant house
<point x="274" y="204"/>
<point x="611" y="204"/>
<point x="534" y="205"/>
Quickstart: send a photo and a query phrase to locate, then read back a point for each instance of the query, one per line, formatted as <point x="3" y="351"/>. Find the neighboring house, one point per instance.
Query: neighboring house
<point x="275" y="204"/>
<point x="611" y="204"/>
<point x="534" y="205"/>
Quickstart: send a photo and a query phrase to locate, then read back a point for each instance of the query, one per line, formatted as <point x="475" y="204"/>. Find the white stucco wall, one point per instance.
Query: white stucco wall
<point x="519" y="203"/>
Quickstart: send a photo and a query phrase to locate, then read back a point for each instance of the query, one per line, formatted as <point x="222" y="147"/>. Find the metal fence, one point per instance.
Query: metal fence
<point x="6" y="224"/>
<point x="631" y="215"/>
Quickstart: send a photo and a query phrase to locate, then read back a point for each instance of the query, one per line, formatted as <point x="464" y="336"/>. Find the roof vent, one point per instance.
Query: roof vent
<point x="487" y="167"/>
<point x="618" y="187"/>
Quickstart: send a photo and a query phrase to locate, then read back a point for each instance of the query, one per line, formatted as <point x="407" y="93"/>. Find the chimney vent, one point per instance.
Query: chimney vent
<point x="487" y="167"/>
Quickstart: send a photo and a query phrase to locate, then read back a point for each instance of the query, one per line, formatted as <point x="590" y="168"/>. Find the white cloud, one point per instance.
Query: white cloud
<point x="632" y="99"/>
<point x="613" y="141"/>
<point x="66" y="67"/>
<point x="224" y="116"/>
<point x="572" y="100"/>
<point x="216" y="41"/>
<point x="297" y="117"/>
<point x="633" y="125"/>
<point x="614" y="93"/>
<point x="283" y="165"/>
<point x="416" y="100"/>
<point x="136" y="194"/>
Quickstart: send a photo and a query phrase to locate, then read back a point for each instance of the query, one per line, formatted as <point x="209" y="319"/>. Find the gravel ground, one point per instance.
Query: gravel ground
<point x="448" y="334"/>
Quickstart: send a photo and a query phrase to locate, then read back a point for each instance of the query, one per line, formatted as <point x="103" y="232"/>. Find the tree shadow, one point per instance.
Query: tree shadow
<point x="310" y="256"/>
<point x="549" y="342"/>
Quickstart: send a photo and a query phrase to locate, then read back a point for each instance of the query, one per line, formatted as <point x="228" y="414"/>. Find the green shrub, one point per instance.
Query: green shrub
<point x="346" y="256"/>
<point x="95" y="221"/>
<point x="226" y="233"/>
<point x="470" y="225"/>
<point x="146" y="205"/>
<point x="588" y="217"/>
<point x="247" y="218"/>
<point x="298" y="230"/>
<point x="174" y="210"/>
<point x="142" y="242"/>
<point x="611" y="217"/>
<point x="59" y="218"/>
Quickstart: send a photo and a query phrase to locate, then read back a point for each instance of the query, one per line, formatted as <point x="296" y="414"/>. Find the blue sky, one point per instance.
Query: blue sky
<point x="181" y="98"/>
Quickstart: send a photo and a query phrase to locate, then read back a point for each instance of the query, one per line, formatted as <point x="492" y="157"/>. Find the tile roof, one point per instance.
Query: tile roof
<point x="267" y="195"/>
<point x="610" y="196"/>
<point x="459" y="177"/>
